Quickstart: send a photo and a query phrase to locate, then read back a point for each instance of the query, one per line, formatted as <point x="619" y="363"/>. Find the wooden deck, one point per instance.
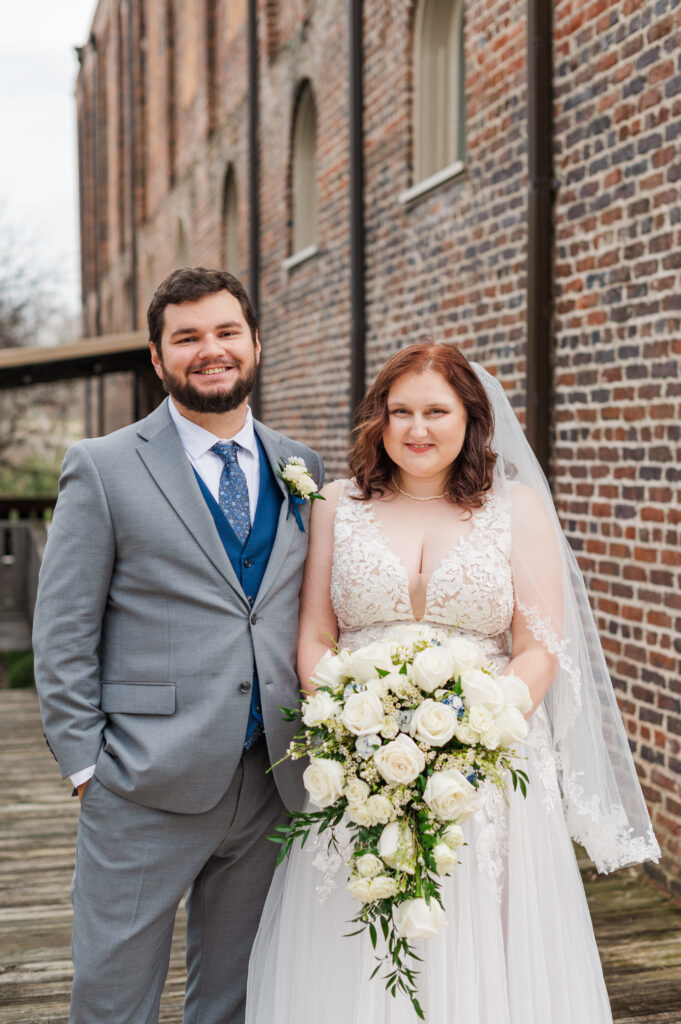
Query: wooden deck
<point x="638" y="928"/>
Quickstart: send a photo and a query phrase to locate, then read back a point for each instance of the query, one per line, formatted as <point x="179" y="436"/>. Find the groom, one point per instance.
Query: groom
<point x="165" y="640"/>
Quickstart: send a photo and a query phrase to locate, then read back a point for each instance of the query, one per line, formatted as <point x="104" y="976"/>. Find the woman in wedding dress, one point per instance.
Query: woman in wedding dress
<point x="448" y="524"/>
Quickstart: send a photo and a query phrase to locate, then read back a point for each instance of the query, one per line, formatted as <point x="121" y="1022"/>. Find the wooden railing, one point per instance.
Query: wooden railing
<point x="21" y="550"/>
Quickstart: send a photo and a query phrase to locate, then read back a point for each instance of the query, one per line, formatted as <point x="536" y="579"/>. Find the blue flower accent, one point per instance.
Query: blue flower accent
<point x="455" y="702"/>
<point x="472" y="778"/>
<point x="350" y="689"/>
<point x="404" y="720"/>
<point x="365" y="745"/>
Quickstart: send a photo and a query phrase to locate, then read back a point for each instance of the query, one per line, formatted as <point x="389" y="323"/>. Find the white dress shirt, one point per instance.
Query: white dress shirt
<point x="197" y="443"/>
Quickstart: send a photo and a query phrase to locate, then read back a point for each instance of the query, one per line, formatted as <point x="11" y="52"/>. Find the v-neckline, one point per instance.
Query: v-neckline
<point x="404" y="572"/>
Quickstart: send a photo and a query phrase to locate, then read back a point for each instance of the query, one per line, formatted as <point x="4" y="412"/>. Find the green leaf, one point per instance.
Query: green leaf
<point x="403" y="670"/>
<point x="372" y="935"/>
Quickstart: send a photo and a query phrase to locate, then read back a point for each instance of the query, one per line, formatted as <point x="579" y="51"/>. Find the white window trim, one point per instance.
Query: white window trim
<point x="421" y="188"/>
<point x="300" y="257"/>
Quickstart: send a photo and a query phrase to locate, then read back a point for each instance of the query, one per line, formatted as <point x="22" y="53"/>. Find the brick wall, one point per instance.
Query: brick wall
<point x="450" y="263"/>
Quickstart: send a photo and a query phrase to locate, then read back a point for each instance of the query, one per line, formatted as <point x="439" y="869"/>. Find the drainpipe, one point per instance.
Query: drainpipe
<point x="95" y="193"/>
<point x="357" y="255"/>
<point x="132" y="150"/>
<point x="542" y="188"/>
<point x="253" y="176"/>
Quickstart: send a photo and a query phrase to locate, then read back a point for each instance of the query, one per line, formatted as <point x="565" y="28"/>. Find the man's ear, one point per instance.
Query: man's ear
<point x="257" y="347"/>
<point x="155" y="360"/>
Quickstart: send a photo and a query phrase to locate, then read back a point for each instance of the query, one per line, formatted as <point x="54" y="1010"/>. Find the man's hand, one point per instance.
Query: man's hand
<point x="81" y="789"/>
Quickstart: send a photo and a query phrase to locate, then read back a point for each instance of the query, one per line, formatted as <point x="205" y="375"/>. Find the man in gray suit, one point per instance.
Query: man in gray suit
<point x="165" y="638"/>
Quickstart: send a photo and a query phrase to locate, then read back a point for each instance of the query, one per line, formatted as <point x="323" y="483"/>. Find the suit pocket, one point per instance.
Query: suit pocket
<point x="138" y="698"/>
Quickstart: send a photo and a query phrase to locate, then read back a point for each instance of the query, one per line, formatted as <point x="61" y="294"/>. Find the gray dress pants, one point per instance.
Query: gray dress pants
<point x="134" y="864"/>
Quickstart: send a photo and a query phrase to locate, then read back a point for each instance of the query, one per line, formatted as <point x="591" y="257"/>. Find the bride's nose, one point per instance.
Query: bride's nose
<point x="419" y="427"/>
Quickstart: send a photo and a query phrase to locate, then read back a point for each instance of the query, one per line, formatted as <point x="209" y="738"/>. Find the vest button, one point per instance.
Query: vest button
<point x="254" y="618"/>
<point x="247" y="563"/>
<point x="245" y="687"/>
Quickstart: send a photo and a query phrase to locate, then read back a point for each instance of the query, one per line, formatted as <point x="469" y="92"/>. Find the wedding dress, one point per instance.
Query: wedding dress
<point x="519" y="946"/>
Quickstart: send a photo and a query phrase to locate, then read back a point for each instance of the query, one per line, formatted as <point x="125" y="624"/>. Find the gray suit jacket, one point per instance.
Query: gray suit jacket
<point x="143" y="636"/>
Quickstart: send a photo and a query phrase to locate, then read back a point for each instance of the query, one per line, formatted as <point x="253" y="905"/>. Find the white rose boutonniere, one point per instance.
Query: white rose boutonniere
<point x="301" y="486"/>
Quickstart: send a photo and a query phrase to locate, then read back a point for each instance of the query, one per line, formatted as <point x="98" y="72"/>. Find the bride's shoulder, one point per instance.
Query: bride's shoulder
<point x="332" y="494"/>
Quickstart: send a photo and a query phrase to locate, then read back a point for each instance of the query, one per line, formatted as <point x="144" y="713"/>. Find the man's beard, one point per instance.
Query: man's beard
<point x="217" y="401"/>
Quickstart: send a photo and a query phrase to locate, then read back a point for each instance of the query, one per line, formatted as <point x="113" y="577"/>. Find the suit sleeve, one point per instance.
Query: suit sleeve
<point x="72" y="595"/>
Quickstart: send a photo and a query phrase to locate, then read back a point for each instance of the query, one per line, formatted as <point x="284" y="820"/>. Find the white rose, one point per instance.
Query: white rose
<point x="465" y="734"/>
<point x="360" y="888"/>
<point x="390" y="729"/>
<point x="480" y="719"/>
<point x="432" y="668"/>
<point x="293" y="473"/>
<point x="415" y="919"/>
<point x="399" y="683"/>
<point x="396" y="847"/>
<point x="368" y="865"/>
<point x="330" y="670"/>
<point x="319" y="708"/>
<point x="511" y="726"/>
<point x="490" y="737"/>
<point x="516" y="693"/>
<point x="383" y="887"/>
<point x="306" y="486"/>
<point x="377" y="686"/>
<point x="363" y="713"/>
<point x="445" y="859"/>
<point x="380" y="809"/>
<point x="433" y="723"/>
<point x="450" y="796"/>
<point x="356" y="791"/>
<point x="360" y="814"/>
<point x="323" y="779"/>
<point x="407" y="635"/>
<point x="363" y="662"/>
<point x="466" y="654"/>
<point x="400" y="761"/>
<point x="453" y="836"/>
<point x="481" y="688"/>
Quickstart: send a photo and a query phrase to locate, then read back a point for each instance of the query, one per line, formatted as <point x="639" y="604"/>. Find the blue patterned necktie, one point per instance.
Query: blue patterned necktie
<point x="233" y="496"/>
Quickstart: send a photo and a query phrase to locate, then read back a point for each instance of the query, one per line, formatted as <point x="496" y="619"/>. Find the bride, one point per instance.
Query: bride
<point x="448" y="523"/>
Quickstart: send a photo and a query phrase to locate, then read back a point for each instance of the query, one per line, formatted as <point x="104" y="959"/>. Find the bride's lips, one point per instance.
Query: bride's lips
<point x="420" y="448"/>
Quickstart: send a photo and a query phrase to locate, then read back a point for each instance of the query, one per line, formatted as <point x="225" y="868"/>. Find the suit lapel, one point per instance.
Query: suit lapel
<point x="286" y="529"/>
<point x="167" y="462"/>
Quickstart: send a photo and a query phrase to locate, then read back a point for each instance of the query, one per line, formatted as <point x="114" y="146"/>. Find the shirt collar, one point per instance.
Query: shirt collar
<point x="196" y="440"/>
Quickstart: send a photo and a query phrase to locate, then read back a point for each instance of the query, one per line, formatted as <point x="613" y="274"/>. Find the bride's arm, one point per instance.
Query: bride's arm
<point x="318" y="629"/>
<point x="537" y="579"/>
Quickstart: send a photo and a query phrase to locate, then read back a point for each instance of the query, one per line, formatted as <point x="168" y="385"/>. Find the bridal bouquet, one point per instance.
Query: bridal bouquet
<point x="400" y="735"/>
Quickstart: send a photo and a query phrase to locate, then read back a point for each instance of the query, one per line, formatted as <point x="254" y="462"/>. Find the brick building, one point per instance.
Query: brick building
<point x="394" y="192"/>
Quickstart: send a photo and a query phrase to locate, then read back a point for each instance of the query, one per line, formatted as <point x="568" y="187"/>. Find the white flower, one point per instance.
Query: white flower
<point x="481" y="688"/>
<point x="365" y="745"/>
<point x="356" y="791"/>
<point x="368" y="865"/>
<point x="400" y="761"/>
<point x="516" y="693"/>
<point x="491" y="737"/>
<point x="377" y="686"/>
<point x="450" y="796"/>
<point x="363" y="662"/>
<point x="396" y="847"/>
<point x="433" y="723"/>
<point x="293" y="472"/>
<point x="323" y="779"/>
<point x="410" y="634"/>
<point x="363" y="713"/>
<point x="445" y="859"/>
<point x="306" y="486"/>
<point x="432" y="668"/>
<point x="466" y="654"/>
<point x="453" y="836"/>
<point x="415" y="919"/>
<point x="330" y="670"/>
<point x="399" y="683"/>
<point x="380" y="809"/>
<point x="360" y="814"/>
<point x="319" y="707"/>
<point x="390" y="729"/>
<point x="383" y="887"/>
<point x="465" y="734"/>
<point x="360" y="888"/>
<point x="480" y="719"/>
<point x="511" y="726"/>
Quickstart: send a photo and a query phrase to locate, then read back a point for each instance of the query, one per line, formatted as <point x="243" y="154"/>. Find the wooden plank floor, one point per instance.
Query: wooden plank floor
<point x="638" y="928"/>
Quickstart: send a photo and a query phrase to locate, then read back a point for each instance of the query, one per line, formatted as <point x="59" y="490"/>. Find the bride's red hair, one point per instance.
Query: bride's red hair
<point x="470" y="475"/>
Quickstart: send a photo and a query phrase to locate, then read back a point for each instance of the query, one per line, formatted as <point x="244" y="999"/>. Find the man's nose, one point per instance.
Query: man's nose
<point x="210" y="344"/>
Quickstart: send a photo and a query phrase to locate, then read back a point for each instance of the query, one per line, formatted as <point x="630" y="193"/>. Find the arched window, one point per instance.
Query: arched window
<point x="230" y="234"/>
<point x="304" y="183"/>
<point x="439" y="109"/>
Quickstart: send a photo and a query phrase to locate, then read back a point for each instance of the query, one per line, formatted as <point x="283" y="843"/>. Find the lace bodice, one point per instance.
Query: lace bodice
<point x="471" y="589"/>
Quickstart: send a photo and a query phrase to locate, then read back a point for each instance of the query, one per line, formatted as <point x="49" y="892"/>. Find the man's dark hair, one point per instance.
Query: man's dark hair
<point x="188" y="284"/>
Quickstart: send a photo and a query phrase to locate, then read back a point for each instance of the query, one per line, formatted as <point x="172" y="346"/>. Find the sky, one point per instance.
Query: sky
<point x="39" y="169"/>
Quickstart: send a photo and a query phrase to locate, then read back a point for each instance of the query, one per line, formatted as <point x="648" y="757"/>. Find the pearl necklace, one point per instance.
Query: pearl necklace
<point x="416" y="497"/>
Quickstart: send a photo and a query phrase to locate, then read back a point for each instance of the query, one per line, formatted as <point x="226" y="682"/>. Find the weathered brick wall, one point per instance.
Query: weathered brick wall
<point x="618" y="120"/>
<point x="452" y="263"/>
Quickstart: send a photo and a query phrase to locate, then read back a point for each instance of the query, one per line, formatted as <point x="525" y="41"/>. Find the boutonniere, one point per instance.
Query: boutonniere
<point x="301" y="486"/>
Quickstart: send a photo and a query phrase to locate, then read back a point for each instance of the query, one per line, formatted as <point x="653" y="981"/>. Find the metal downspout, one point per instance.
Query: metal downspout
<point x="357" y="253"/>
<point x="253" y="176"/>
<point x="542" y="187"/>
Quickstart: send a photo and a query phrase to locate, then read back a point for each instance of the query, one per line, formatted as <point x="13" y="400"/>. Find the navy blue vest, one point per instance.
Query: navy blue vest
<point x="249" y="560"/>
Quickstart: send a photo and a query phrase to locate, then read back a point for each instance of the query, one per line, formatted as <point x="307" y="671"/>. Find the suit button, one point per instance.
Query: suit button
<point x="247" y="563"/>
<point x="254" y="618"/>
<point x="250" y="599"/>
<point x="245" y="687"/>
